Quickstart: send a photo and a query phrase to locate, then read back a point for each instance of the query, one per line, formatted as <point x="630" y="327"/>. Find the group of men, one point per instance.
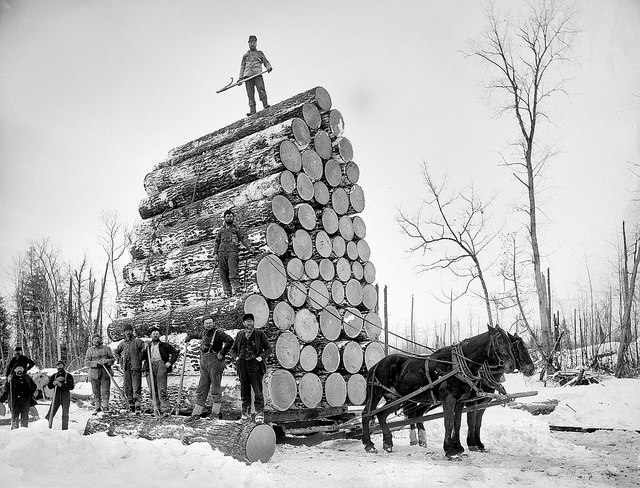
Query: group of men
<point x="19" y="390"/>
<point x="250" y="348"/>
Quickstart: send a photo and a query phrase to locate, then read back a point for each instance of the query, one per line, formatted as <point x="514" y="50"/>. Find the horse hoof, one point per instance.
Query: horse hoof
<point x="423" y="444"/>
<point x="473" y="448"/>
<point x="371" y="449"/>
<point x="388" y="448"/>
<point x="413" y="443"/>
<point x="453" y="457"/>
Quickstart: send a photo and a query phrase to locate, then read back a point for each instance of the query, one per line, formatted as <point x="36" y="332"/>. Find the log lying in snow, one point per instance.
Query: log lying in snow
<point x="307" y="105"/>
<point x="247" y="442"/>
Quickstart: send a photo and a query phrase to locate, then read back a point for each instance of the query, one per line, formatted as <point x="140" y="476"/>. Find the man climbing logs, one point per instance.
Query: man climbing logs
<point x="251" y="66"/>
<point x="225" y="247"/>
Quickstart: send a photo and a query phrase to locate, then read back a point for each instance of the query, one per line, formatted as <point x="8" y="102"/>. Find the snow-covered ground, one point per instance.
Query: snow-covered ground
<point x="522" y="452"/>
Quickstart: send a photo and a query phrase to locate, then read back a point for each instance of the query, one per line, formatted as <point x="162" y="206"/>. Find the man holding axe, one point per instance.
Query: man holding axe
<point x="62" y="383"/>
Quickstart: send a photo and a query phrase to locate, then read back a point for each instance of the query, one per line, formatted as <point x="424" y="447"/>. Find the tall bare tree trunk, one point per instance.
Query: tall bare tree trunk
<point x="628" y="288"/>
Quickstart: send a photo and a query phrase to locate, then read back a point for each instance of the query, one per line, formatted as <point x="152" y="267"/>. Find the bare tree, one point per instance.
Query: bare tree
<point x="453" y="235"/>
<point x="114" y="237"/>
<point x="526" y="55"/>
<point x="628" y="279"/>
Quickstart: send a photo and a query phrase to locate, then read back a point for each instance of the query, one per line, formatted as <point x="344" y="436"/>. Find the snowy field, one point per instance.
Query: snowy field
<point x="522" y="452"/>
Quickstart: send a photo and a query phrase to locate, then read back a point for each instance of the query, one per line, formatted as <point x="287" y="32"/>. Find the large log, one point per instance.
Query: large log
<point x="184" y="290"/>
<point x="330" y="357"/>
<point x="356" y="389"/>
<point x="281" y="389"/>
<point x="310" y="390"/>
<point x="306" y="105"/>
<point x="312" y="164"/>
<point x="333" y="123"/>
<point x="308" y="358"/>
<point x="227" y="315"/>
<point x="198" y="221"/>
<point x="234" y="171"/>
<point x="192" y="169"/>
<point x="330" y="323"/>
<point x="335" y="390"/>
<point x="287" y="350"/>
<point x="247" y="442"/>
<point x="352" y="356"/>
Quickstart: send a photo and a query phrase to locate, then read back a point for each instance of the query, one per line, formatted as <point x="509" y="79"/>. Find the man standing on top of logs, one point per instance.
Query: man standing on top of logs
<point x="251" y="65"/>
<point x="163" y="355"/>
<point x="99" y="359"/>
<point x="225" y="248"/>
<point x="129" y="354"/>
<point x="19" y="358"/>
<point x="214" y="347"/>
<point x="252" y="348"/>
<point x="62" y="383"/>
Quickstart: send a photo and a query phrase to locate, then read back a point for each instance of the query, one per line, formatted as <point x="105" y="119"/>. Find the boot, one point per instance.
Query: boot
<point x="265" y="104"/>
<point x="259" y="418"/>
<point x="215" y="411"/>
<point x="132" y="408"/>
<point x="195" y="414"/>
<point x="252" y="109"/>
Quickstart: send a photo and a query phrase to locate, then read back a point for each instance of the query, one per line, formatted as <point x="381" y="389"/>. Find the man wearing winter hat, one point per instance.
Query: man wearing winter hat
<point x="214" y="346"/>
<point x="99" y="359"/>
<point x="252" y="348"/>
<point x="62" y="383"/>
<point x="20" y="359"/>
<point x="130" y="353"/>
<point x="251" y="65"/>
<point x="19" y="390"/>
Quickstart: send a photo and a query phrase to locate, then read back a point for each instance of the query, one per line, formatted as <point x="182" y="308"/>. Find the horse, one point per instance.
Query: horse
<point x="490" y="384"/>
<point x="445" y="377"/>
<point x="524" y="364"/>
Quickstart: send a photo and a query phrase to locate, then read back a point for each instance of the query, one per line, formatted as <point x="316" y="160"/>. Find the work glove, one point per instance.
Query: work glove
<point x="167" y="364"/>
<point x="58" y="383"/>
<point x="269" y="70"/>
<point x="259" y="359"/>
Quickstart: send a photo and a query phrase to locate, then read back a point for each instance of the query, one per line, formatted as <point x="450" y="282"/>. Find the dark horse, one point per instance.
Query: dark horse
<point x="397" y="376"/>
<point x="524" y="364"/>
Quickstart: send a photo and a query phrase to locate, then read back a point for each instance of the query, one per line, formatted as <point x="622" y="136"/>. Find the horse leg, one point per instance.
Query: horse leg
<point x="459" y="406"/>
<point x="366" y="422"/>
<point x="387" y="437"/>
<point x="413" y="438"/>
<point x="422" y="435"/>
<point x="472" y="429"/>
<point x="448" y="406"/>
<point x="479" y="445"/>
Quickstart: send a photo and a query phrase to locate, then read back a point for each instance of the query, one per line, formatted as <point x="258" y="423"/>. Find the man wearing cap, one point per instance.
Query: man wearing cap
<point x="20" y="359"/>
<point x="129" y="354"/>
<point x="226" y="246"/>
<point x="251" y="65"/>
<point x="62" y="383"/>
<point x="19" y="390"/>
<point x="99" y="360"/>
<point x="251" y="347"/>
<point x="163" y="355"/>
<point x="214" y="347"/>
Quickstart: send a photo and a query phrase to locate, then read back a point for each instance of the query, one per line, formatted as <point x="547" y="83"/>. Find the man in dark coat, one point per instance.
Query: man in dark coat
<point x="20" y="359"/>
<point x="130" y="354"/>
<point x="252" y="348"/>
<point x="62" y="383"/>
<point x="251" y="65"/>
<point x="214" y="347"/>
<point x="225" y="248"/>
<point x="163" y="355"/>
<point x="18" y="391"/>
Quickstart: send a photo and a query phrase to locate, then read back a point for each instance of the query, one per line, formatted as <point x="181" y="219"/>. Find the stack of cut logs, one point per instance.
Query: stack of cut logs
<point x="288" y="173"/>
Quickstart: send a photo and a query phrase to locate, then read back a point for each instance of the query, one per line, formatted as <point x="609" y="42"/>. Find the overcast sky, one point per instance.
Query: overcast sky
<point x="94" y="93"/>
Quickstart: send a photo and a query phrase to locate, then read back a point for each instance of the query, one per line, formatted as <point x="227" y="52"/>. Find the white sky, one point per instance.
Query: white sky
<point x="94" y="93"/>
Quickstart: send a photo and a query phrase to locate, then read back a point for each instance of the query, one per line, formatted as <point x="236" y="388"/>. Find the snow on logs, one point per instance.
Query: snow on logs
<point x="288" y="173"/>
